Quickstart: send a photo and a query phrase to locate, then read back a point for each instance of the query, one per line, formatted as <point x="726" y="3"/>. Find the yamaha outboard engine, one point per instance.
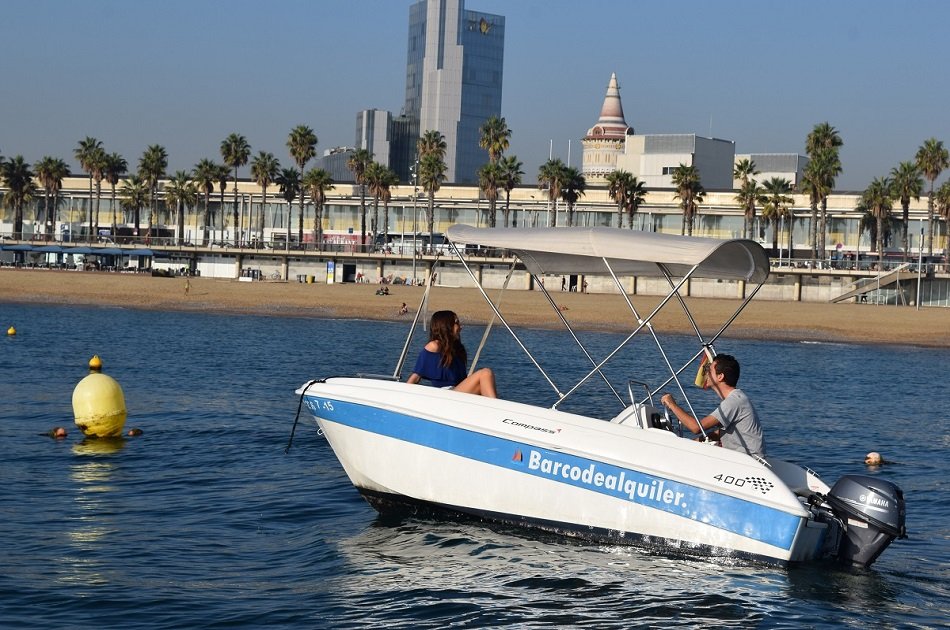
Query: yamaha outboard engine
<point x="873" y="514"/>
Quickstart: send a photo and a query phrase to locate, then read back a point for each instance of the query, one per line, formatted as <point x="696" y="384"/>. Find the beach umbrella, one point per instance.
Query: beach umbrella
<point x="78" y="250"/>
<point x="17" y="248"/>
<point x="108" y="251"/>
<point x="140" y="252"/>
<point x="49" y="249"/>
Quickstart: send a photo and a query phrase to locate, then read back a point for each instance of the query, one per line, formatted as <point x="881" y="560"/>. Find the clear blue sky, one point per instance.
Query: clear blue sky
<point x="186" y="73"/>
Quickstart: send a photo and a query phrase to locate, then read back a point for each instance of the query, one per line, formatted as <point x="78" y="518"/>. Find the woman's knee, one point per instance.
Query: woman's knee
<point x="486" y="373"/>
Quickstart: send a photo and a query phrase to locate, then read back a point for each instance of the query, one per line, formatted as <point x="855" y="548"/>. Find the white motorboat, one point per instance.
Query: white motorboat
<point x="632" y="478"/>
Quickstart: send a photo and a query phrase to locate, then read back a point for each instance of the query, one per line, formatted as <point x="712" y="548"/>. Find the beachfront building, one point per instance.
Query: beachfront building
<point x="334" y="161"/>
<point x="606" y="140"/>
<point x="653" y="158"/>
<point x="788" y="166"/>
<point x="224" y="251"/>
<point x="719" y="216"/>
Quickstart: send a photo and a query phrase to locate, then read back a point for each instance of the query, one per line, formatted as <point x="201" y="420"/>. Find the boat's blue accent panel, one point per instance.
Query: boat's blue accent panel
<point x="731" y="514"/>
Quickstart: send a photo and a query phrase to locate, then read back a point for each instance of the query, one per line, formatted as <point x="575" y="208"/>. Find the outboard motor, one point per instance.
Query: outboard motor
<point x="873" y="514"/>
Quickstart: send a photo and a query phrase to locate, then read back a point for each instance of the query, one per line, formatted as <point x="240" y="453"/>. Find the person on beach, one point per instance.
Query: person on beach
<point x="734" y="422"/>
<point x="442" y="361"/>
<point x="403" y="310"/>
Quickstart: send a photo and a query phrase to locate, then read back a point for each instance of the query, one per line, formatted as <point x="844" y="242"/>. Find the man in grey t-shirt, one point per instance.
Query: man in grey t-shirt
<point x="734" y="421"/>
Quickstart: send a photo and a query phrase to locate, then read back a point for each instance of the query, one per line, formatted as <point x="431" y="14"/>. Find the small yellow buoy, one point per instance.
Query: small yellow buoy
<point x="98" y="403"/>
<point x="11" y="331"/>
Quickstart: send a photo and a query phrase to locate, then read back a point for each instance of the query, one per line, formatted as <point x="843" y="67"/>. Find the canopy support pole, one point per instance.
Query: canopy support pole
<point x="502" y="319"/>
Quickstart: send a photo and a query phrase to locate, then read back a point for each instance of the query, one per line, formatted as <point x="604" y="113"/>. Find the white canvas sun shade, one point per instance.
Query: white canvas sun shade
<point x="628" y="252"/>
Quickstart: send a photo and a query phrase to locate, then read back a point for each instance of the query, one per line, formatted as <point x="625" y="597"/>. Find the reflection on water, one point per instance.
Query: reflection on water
<point x="498" y="575"/>
<point x="99" y="446"/>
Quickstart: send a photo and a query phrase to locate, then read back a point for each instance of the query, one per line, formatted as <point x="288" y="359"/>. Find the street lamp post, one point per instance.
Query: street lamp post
<point x="414" y="169"/>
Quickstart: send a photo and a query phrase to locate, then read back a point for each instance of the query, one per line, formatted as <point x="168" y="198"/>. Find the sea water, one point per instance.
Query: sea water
<point x="204" y="521"/>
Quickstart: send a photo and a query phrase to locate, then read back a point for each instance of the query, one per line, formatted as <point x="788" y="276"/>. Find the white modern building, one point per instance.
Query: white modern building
<point x="653" y="159"/>
<point x="782" y="165"/>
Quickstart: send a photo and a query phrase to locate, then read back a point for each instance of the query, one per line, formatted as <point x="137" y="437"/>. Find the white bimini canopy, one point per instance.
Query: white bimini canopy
<point x="591" y="251"/>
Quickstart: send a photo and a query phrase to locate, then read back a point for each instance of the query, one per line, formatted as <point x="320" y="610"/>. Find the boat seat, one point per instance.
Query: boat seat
<point x="644" y="416"/>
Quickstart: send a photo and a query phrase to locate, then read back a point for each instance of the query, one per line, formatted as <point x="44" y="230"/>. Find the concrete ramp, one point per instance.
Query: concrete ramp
<point x="864" y="286"/>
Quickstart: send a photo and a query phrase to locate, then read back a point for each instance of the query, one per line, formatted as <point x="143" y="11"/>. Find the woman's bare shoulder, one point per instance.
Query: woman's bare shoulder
<point x="432" y="346"/>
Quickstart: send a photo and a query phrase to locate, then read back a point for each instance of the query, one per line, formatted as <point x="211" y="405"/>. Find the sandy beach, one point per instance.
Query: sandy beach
<point x="795" y="321"/>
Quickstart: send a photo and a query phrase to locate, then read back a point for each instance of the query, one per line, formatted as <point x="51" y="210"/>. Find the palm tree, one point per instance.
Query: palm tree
<point x="690" y="192"/>
<point x="358" y="163"/>
<point x="289" y="183"/>
<point x="18" y="180"/>
<point x="618" y="182"/>
<point x="490" y="180"/>
<point x="877" y="199"/>
<point x="374" y="177"/>
<point x="317" y="182"/>
<point x="510" y="177"/>
<point x="907" y="183"/>
<point x="932" y="158"/>
<point x="134" y="194"/>
<point x="205" y="175"/>
<point x="180" y="193"/>
<point x="813" y="184"/>
<point x="869" y="224"/>
<point x="551" y="176"/>
<point x="822" y="145"/>
<point x="431" y="175"/>
<point x="222" y="173"/>
<point x="743" y="170"/>
<point x="823" y="136"/>
<point x="636" y="195"/>
<point x="152" y="167"/>
<point x="571" y="190"/>
<point x="750" y="194"/>
<point x="116" y="167"/>
<point x="51" y="172"/>
<point x="97" y="163"/>
<point x="430" y="153"/>
<point x="494" y="135"/>
<point x="776" y="206"/>
<point x="235" y="152"/>
<point x="264" y="170"/>
<point x="83" y="153"/>
<point x="302" y="143"/>
<point x="431" y="142"/>
<point x="389" y="180"/>
<point x="942" y="201"/>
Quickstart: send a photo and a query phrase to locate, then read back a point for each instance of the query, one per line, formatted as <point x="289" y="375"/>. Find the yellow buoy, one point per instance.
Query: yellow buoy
<point x="11" y="331"/>
<point x="99" y="404"/>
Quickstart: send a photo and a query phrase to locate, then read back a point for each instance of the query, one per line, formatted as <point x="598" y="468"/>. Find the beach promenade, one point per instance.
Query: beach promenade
<point x="794" y="321"/>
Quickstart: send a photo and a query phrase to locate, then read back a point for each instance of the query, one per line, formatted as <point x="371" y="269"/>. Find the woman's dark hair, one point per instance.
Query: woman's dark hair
<point x="727" y="365"/>
<point x="442" y="329"/>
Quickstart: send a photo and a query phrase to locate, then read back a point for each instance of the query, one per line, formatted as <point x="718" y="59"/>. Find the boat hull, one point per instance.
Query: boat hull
<point x="436" y="450"/>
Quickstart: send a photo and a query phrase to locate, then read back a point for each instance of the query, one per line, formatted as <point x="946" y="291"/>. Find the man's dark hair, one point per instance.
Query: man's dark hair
<point x="727" y="365"/>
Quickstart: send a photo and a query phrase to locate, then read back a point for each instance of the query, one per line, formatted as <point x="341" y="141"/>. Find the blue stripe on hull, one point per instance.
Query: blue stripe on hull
<point x="731" y="514"/>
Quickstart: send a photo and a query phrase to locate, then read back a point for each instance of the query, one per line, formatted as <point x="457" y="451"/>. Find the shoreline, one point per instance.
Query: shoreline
<point x="763" y="320"/>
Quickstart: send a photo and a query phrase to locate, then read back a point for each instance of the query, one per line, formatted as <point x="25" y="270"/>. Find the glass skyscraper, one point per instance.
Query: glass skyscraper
<point x="454" y="74"/>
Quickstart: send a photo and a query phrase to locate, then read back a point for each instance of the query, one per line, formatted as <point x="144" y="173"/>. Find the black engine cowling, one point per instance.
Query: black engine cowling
<point x="873" y="512"/>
